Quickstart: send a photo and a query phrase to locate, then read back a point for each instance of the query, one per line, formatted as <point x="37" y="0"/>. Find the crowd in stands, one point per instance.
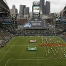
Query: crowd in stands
<point x="42" y="32"/>
<point x="5" y="36"/>
<point x="36" y="33"/>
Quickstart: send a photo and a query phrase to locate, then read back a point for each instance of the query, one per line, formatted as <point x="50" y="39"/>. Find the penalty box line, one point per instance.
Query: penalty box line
<point x="26" y="59"/>
<point x="7" y="62"/>
<point x="22" y="59"/>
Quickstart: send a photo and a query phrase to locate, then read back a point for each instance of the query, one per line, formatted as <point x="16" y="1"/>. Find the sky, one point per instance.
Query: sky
<point x="55" y="5"/>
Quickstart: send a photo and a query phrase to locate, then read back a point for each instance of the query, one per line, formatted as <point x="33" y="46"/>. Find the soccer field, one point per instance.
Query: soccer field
<point x="16" y="52"/>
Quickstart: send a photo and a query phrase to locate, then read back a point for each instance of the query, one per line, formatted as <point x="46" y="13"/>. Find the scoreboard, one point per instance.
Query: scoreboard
<point x="36" y="9"/>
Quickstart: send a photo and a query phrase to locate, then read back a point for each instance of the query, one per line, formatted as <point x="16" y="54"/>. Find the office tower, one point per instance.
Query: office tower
<point x="47" y="7"/>
<point x="44" y="12"/>
<point x="21" y="11"/>
<point x="26" y="11"/>
<point x="42" y="6"/>
<point x="13" y="6"/>
<point x="14" y="11"/>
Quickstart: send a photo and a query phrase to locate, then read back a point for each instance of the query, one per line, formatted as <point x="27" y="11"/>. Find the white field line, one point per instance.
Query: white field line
<point x="22" y="59"/>
<point x="26" y="60"/>
<point x="37" y="57"/>
<point x="30" y="59"/>
<point x="7" y="62"/>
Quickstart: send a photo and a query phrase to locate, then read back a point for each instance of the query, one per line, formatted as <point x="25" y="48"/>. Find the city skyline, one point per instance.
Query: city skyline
<point x="55" y="6"/>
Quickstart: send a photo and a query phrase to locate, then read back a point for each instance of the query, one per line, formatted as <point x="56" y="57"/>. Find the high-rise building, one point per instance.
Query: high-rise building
<point x="44" y="9"/>
<point x="42" y="6"/>
<point x="14" y="11"/>
<point x="13" y="7"/>
<point x="47" y="7"/>
<point x="26" y="11"/>
<point x="21" y="11"/>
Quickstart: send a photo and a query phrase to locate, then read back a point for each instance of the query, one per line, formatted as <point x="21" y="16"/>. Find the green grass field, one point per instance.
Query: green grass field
<point x="16" y="53"/>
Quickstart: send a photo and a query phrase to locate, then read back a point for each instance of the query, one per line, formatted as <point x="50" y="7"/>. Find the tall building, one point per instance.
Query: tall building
<point x="26" y="11"/>
<point x="44" y="12"/>
<point x="47" y="7"/>
<point x="21" y="11"/>
<point x="14" y="11"/>
<point x="42" y="6"/>
<point x="13" y="7"/>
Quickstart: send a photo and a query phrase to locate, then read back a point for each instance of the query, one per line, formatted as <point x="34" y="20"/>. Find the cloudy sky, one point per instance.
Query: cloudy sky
<point x="56" y="5"/>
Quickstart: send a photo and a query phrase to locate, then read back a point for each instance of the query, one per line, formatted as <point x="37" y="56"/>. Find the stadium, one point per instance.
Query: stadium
<point x="32" y="47"/>
<point x="36" y="44"/>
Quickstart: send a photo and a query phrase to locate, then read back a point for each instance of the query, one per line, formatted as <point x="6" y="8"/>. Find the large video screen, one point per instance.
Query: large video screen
<point x="36" y="9"/>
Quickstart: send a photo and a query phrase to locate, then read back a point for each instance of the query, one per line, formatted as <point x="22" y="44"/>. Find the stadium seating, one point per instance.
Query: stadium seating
<point x="36" y="33"/>
<point x="5" y="36"/>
